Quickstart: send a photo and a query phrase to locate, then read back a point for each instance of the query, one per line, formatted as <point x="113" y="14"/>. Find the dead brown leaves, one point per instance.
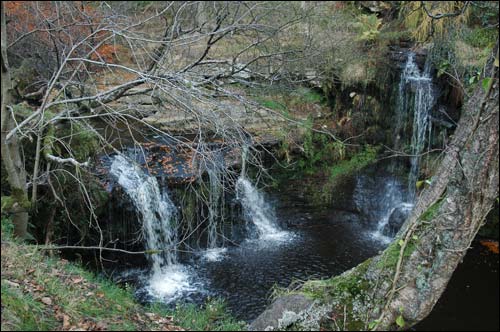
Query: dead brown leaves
<point x="491" y="245"/>
<point x="61" y="294"/>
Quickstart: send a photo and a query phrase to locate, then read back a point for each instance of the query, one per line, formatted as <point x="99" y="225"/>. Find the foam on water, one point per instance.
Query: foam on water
<point x="257" y="211"/>
<point x="167" y="279"/>
<point x="171" y="283"/>
<point x="214" y="254"/>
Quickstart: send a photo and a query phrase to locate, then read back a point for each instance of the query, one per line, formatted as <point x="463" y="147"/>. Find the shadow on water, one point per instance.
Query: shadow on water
<point x="471" y="300"/>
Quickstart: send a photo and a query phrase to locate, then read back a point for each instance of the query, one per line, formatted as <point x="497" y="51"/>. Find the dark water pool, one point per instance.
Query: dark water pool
<point x="246" y="275"/>
<point x="317" y="246"/>
<point x="471" y="301"/>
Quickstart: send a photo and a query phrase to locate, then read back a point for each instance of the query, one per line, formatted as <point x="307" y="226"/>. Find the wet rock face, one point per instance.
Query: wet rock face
<point x="285" y="311"/>
<point x="376" y="6"/>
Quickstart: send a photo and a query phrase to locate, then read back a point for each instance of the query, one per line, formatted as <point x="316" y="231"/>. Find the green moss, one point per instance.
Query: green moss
<point x="430" y="213"/>
<point x="357" y="162"/>
<point x="48" y="141"/>
<point x="304" y="95"/>
<point x="272" y="104"/>
<point x="20" y="197"/>
<point x="82" y="141"/>
<point x="7" y="203"/>
<point x="347" y="285"/>
<point x="481" y="37"/>
<point x="347" y="291"/>
<point x="329" y="167"/>
<point x="391" y="254"/>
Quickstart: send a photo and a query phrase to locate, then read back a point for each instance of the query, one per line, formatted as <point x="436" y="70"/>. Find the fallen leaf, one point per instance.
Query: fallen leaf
<point x="46" y="300"/>
<point x="491" y="245"/>
<point x="11" y="283"/>
<point x="101" y="326"/>
<point x="66" y="323"/>
<point x="77" y="280"/>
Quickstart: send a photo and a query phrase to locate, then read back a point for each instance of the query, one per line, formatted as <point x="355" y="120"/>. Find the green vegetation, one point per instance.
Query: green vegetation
<point x="287" y="100"/>
<point x="369" y="27"/>
<point x="306" y="95"/>
<point x="390" y="256"/>
<point x="272" y="104"/>
<point x="210" y="317"/>
<point x="355" y="163"/>
<point x="348" y="292"/>
<point x="80" y="140"/>
<point x="340" y="170"/>
<point x="430" y="213"/>
<point x="324" y="165"/>
<point x="349" y="283"/>
<point x="48" y="293"/>
<point x="22" y="312"/>
<point x="482" y="38"/>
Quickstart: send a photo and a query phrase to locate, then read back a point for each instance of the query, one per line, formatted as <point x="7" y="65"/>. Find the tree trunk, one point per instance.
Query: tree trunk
<point x="401" y="285"/>
<point x="11" y="153"/>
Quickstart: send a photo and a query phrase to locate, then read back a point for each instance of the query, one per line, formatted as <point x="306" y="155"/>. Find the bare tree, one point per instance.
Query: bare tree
<point x="101" y="63"/>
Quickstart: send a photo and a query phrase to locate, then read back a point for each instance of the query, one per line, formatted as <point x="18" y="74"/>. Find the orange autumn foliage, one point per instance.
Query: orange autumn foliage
<point x="491" y="245"/>
<point x="62" y="24"/>
<point x="107" y="53"/>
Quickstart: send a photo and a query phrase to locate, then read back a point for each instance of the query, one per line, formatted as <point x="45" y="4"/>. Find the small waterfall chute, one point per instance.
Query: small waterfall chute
<point x="416" y="92"/>
<point x="258" y="211"/>
<point x="215" y="205"/>
<point x="159" y="227"/>
<point x="384" y="203"/>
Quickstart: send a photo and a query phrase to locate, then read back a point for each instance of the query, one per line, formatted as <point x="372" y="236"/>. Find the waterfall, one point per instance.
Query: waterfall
<point x="158" y="216"/>
<point x="215" y="207"/>
<point x="382" y="200"/>
<point x="257" y="210"/>
<point x="156" y="210"/>
<point x="244" y="156"/>
<point x="387" y="227"/>
<point x="415" y="92"/>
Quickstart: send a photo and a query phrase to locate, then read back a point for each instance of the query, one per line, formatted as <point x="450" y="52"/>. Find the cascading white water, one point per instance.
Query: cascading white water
<point x="213" y="206"/>
<point x="381" y="232"/>
<point x="215" y="209"/>
<point x="155" y="209"/>
<point x="158" y="216"/>
<point x="258" y="211"/>
<point x="418" y="85"/>
<point x="255" y="208"/>
<point x="379" y="199"/>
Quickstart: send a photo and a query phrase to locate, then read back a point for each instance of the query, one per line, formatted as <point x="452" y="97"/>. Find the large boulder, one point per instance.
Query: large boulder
<point x="284" y="312"/>
<point x="396" y="220"/>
